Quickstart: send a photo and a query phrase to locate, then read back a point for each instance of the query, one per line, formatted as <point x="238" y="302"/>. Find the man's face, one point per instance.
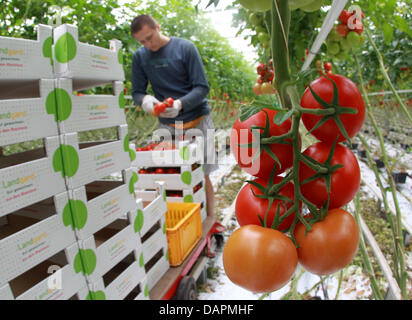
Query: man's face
<point x="149" y="38"/>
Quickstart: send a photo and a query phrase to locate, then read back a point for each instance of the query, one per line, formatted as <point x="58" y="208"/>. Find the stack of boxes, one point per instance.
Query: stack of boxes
<point x="57" y="206"/>
<point x="184" y="180"/>
<point x="36" y="236"/>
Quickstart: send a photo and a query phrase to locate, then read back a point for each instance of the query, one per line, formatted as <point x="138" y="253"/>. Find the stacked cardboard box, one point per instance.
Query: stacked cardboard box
<point x="40" y="254"/>
<point x="66" y="231"/>
<point x="181" y="168"/>
<point x="104" y="211"/>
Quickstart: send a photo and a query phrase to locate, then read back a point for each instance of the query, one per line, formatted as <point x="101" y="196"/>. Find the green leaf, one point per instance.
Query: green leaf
<point x="403" y="25"/>
<point x="248" y="111"/>
<point x="387" y="32"/>
<point x="282" y="116"/>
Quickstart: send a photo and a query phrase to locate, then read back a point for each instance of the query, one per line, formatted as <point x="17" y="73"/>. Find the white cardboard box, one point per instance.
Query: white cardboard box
<point x="34" y="234"/>
<point x="29" y="118"/>
<point x="187" y="178"/>
<point x="64" y="280"/>
<point x="155" y="242"/>
<point x="111" y="200"/>
<point x="158" y="269"/>
<point x="31" y="176"/>
<point x="101" y="253"/>
<point x="90" y="64"/>
<point x="22" y="59"/>
<point x="186" y="153"/>
<point x="87" y="162"/>
<point x="124" y="283"/>
<point x="89" y="112"/>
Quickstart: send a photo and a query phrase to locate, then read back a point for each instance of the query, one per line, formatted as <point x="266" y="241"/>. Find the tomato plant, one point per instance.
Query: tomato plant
<point x="331" y="243"/>
<point x="349" y="97"/>
<point x="345" y="181"/>
<point x="256" y="5"/>
<point x="241" y="134"/>
<point x="250" y="209"/>
<point x="259" y="259"/>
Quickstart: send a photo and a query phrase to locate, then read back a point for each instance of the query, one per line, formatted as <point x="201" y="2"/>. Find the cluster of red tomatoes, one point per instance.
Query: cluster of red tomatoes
<point x="346" y="35"/>
<point x="264" y="83"/>
<point x="158" y="146"/>
<point x="326" y="68"/>
<point x="260" y="255"/>
<point x="160" y="170"/>
<point x="160" y="107"/>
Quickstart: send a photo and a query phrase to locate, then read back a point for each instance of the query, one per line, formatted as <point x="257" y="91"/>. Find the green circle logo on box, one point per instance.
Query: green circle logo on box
<point x="47" y="49"/>
<point x="121" y="100"/>
<point x="59" y="103"/>
<point x="133" y="180"/>
<point x="186" y="177"/>
<point x="66" y="160"/>
<point x="188" y="198"/>
<point x="126" y="143"/>
<point x="86" y="258"/>
<point x="185" y="153"/>
<point x="75" y="214"/>
<point x="65" y="48"/>
<point x="141" y="260"/>
<point x="98" y="295"/>
<point x="120" y="56"/>
<point x="138" y="222"/>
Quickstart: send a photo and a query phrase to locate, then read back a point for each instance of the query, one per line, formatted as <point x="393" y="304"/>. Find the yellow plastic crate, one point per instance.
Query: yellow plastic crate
<point x="183" y="229"/>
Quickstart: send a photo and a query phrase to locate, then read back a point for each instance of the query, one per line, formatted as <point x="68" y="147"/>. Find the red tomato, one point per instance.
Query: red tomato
<point x="349" y="96"/>
<point x="342" y="29"/>
<point x="159" y="171"/>
<point x="330" y="245"/>
<point x="259" y="259"/>
<point x="248" y="207"/>
<point x="159" y="108"/>
<point x="327" y="66"/>
<point x="345" y="181"/>
<point x="344" y="16"/>
<point x="169" y="102"/>
<point x="261" y="167"/>
<point x="171" y="170"/>
<point x="142" y="171"/>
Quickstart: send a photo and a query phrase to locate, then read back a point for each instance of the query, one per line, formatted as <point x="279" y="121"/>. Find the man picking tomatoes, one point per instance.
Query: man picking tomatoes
<point x="174" y="69"/>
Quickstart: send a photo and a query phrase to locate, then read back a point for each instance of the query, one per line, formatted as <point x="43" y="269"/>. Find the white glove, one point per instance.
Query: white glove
<point x="148" y="103"/>
<point x="172" y="112"/>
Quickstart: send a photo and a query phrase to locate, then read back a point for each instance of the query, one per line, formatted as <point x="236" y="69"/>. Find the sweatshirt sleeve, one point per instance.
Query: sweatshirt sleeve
<point x="197" y="78"/>
<point x="139" y="80"/>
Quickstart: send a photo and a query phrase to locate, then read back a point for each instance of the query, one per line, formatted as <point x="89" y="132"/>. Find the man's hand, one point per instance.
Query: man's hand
<point x="148" y="103"/>
<point x="173" y="111"/>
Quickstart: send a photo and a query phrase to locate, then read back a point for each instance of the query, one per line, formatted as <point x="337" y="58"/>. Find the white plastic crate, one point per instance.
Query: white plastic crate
<point x="49" y="280"/>
<point x="151" y="207"/>
<point x="88" y="112"/>
<point x="90" y="161"/>
<point x="26" y="119"/>
<point x="186" y="153"/>
<point x="121" y="280"/>
<point x="89" y="64"/>
<point x="31" y="176"/>
<point x="22" y="59"/>
<point x="187" y="178"/>
<point x="34" y="234"/>
<point x="109" y="246"/>
<point x="109" y="200"/>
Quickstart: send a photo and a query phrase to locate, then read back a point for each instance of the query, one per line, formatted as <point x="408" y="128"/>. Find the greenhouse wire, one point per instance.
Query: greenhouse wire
<point x="333" y="14"/>
<point x="399" y="253"/>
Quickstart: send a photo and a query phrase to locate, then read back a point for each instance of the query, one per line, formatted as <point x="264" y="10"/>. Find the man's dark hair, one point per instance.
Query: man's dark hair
<point x="140" y="21"/>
